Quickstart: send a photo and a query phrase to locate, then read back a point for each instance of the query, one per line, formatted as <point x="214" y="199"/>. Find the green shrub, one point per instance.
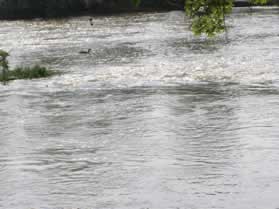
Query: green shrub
<point x="31" y="72"/>
<point x="21" y="72"/>
<point x="4" y="65"/>
<point x="34" y="72"/>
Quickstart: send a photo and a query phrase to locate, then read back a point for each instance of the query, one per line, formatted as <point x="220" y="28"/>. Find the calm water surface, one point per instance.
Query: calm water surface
<point x="153" y="118"/>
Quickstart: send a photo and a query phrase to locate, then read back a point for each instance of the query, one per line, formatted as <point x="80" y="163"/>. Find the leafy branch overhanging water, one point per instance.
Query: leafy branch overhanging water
<point x="208" y="16"/>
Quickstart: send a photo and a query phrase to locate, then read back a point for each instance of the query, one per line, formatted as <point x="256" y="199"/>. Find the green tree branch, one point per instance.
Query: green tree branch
<point x="208" y="16"/>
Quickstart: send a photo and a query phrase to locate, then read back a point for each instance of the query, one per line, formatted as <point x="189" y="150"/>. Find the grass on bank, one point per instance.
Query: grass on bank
<point x="34" y="72"/>
<point x="21" y="72"/>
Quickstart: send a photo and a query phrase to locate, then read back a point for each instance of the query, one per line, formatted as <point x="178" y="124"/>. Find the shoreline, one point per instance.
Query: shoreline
<point x="57" y="13"/>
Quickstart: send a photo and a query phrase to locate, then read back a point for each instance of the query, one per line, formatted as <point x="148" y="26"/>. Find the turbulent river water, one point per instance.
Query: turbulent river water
<point x="153" y="118"/>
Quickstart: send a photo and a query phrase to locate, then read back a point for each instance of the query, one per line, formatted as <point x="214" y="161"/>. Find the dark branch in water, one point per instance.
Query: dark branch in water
<point x="91" y="21"/>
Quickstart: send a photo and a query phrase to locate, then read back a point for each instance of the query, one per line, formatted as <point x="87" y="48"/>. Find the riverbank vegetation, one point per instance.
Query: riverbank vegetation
<point x="33" y="72"/>
<point x="209" y="17"/>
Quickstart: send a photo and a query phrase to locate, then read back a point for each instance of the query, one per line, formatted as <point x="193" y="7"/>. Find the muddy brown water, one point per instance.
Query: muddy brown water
<point x="153" y="118"/>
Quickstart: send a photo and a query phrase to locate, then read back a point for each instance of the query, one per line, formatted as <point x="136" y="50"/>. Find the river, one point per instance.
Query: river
<point x="153" y="118"/>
